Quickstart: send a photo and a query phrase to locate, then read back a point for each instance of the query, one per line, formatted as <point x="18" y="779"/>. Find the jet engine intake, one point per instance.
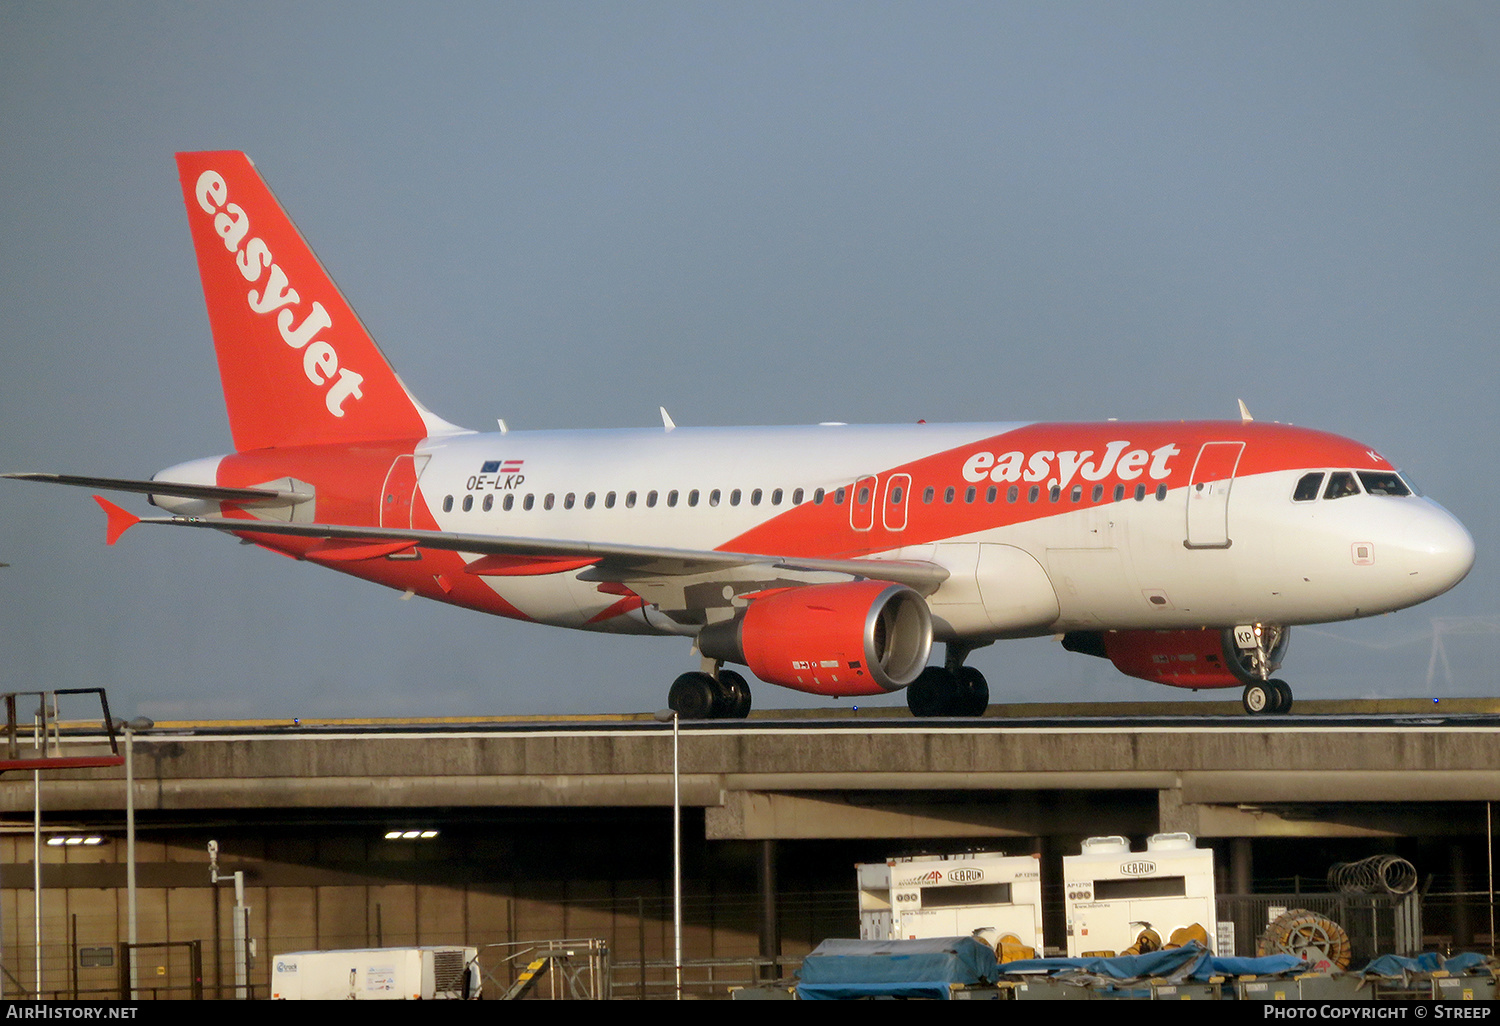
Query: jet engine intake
<point x="854" y="638"/>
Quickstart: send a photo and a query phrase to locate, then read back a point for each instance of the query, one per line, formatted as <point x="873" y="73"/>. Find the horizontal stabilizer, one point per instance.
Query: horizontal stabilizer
<point x="213" y="493"/>
<point x="120" y="520"/>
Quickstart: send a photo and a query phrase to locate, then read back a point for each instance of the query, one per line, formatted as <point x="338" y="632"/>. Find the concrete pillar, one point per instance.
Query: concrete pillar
<point x="770" y="933"/>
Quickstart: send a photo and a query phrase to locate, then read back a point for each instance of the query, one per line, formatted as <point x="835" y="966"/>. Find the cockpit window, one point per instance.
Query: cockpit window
<point x="1383" y="482"/>
<point x="1308" y="487"/>
<point x="1340" y="484"/>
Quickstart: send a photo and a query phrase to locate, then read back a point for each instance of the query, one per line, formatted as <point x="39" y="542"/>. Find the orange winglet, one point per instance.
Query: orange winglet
<point x="120" y="520"/>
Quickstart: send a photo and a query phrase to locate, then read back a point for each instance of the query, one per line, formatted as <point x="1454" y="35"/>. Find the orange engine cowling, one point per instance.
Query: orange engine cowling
<point x="855" y="638"/>
<point x="1181" y="658"/>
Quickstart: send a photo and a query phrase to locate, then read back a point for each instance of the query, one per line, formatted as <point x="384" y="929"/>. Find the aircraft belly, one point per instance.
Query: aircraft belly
<point x="993" y="589"/>
<point x="549" y="599"/>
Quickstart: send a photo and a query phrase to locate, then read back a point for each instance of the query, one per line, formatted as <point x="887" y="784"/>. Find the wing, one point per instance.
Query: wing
<point x="663" y="576"/>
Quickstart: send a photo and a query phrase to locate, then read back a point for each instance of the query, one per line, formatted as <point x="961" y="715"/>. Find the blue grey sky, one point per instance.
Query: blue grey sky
<point x="565" y="214"/>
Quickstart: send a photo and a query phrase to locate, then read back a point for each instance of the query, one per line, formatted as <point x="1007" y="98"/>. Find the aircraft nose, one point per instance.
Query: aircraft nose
<point x="1439" y="551"/>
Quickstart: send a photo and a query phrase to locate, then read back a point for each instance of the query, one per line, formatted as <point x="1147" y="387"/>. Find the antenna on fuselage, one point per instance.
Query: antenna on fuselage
<point x="1245" y="417"/>
<point x="503" y="429"/>
<point x="666" y="418"/>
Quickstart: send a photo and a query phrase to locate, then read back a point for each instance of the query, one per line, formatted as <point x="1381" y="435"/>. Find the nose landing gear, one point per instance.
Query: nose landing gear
<point x="1272" y="697"/>
<point x="1256" y="651"/>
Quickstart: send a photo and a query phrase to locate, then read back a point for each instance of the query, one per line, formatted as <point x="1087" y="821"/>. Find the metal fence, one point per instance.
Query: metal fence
<point x="1377" y="924"/>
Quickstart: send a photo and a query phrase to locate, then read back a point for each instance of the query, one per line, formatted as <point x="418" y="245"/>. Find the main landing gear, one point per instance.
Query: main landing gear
<point x="952" y="689"/>
<point x="701" y="695"/>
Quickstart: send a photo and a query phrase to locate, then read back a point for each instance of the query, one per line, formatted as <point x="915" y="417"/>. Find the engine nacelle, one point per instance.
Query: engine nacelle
<point x="857" y="638"/>
<point x="1204" y="658"/>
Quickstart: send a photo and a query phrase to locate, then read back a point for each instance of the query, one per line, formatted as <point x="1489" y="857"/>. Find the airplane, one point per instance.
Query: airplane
<point x="828" y="559"/>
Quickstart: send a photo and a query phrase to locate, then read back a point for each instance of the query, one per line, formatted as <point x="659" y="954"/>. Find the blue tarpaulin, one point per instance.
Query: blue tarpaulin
<point x="842" y="969"/>
<point x="1190" y="962"/>
<point x="1395" y="967"/>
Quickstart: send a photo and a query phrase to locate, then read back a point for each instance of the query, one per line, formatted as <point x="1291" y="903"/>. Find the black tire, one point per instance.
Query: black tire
<point x="973" y="692"/>
<point x="1283" y="696"/>
<point x="692" y="696"/>
<point x="931" y="694"/>
<point x="1258" y="699"/>
<point x="732" y="697"/>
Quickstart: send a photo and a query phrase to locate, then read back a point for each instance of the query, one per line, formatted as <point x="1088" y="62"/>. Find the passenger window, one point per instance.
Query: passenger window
<point x="1012" y="493"/>
<point x="1077" y="493"/>
<point x="588" y="501"/>
<point x="864" y="496"/>
<point x="1098" y="492"/>
<point x="797" y="497"/>
<point x="896" y="496"/>
<point x="1054" y="493"/>
<point x="949" y="493"/>
<point x="1383" y="482"/>
<point x="568" y="501"/>
<point x="970" y="495"/>
<point x="650" y="499"/>
<point x="817" y="496"/>
<point x="527" y="502"/>
<point x="547" y="502"/>
<point x="1161" y="493"/>
<point x="992" y="494"/>
<point x="928" y="493"/>
<point x="734" y="497"/>
<point x="755" y="497"/>
<point x="1140" y="493"/>
<point x="1033" y="494"/>
<point x="489" y="503"/>
<point x="1341" y="484"/>
<point x="776" y="497"/>
<point x="609" y="500"/>
<point x="713" y="497"/>
<point x="630" y="500"/>
<point x="1308" y="487"/>
<point x="838" y="496"/>
<point x="672" y="497"/>
<point x="510" y="500"/>
<point x="447" y="504"/>
<point x="693" y="497"/>
<point x="468" y="503"/>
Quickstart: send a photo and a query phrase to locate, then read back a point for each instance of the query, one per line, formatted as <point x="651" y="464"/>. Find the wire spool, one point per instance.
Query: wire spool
<point x="1307" y="935"/>
<point x="1378" y="874"/>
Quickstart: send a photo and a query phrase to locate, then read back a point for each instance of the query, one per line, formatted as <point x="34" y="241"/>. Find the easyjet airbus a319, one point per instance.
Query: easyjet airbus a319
<point x="826" y="559"/>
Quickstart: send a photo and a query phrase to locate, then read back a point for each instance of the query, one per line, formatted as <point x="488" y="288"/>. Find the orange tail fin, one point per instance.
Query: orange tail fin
<point x="297" y="365"/>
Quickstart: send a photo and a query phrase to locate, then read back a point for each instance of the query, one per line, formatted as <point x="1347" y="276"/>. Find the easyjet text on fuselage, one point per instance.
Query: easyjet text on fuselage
<point x="1058" y="468"/>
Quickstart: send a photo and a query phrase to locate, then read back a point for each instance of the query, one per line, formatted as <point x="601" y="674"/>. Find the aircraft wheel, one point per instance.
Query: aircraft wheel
<point x="731" y="697"/>
<point x="1257" y="699"/>
<point x="973" y="692"/>
<point x="692" y="696"/>
<point x="932" y="693"/>
<point x="1282" y="703"/>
